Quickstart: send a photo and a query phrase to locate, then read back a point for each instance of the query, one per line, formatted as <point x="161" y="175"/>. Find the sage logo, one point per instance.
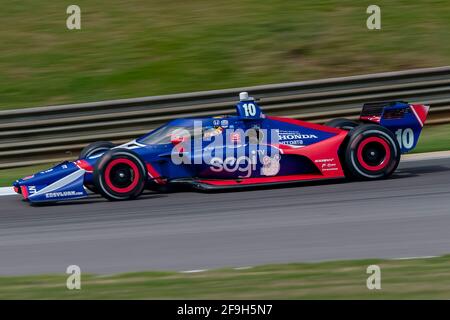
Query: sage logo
<point x="231" y="164"/>
<point x="73" y="282"/>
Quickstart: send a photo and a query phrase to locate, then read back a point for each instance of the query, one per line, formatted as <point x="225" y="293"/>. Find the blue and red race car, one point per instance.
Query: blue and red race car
<point x="246" y="149"/>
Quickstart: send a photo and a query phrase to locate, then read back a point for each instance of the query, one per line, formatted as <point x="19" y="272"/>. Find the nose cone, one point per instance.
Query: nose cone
<point x="16" y="187"/>
<point x="47" y="176"/>
<point x="62" y="182"/>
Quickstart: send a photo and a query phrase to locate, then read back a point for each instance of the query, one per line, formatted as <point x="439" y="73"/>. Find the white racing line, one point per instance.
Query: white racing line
<point x="8" y="191"/>
<point x="415" y="258"/>
<point x="251" y="267"/>
<point x="194" y="271"/>
<point x="426" y="156"/>
<point x="205" y="270"/>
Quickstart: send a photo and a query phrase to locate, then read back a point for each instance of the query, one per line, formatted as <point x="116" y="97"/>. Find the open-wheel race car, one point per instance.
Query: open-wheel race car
<point x="246" y="149"/>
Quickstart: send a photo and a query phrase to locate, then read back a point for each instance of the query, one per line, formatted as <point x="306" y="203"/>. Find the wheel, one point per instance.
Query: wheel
<point x="92" y="149"/>
<point x="372" y="152"/>
<point x="342" y="123"/>
<point x="95" y="148"/>
<point x="120" y="175"/>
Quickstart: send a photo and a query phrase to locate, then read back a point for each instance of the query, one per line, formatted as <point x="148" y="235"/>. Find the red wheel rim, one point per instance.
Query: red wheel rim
<point x="362" y="150"/>
<point x="133" y="168"/>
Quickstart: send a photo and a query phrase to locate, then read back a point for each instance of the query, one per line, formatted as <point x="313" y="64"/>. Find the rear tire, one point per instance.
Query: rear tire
<point x="342" y="123"/>
<point x="120" y="174"/>
<point x="372" y="152"/>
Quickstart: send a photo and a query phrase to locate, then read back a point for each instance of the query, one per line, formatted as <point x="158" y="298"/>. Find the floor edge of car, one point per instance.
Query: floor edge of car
<point x="203" y="185"/>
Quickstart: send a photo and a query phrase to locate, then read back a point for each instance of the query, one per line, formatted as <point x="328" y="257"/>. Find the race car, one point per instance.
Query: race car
<point x="231" y="151"/>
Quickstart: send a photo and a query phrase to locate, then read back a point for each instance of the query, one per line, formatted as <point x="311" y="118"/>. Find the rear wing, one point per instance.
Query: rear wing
<point x="403" y="119"/>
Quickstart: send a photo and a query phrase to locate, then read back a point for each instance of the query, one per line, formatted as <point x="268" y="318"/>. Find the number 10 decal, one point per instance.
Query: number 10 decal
<point x="250" y="109"/>
<point x="405" y="138"/>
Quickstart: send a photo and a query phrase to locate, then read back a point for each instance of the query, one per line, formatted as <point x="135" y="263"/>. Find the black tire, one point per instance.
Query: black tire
<point x="342" y="123"/>
<point x="372" y="152"/>
<point x="120" y="174"/>
<point x="94" y="148"/>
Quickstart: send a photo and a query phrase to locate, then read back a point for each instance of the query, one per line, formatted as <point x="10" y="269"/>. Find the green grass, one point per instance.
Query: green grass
<point x="150" y="47"/>
<point x="8" y="176"/>
<point x="435" y="138"/>
<point x="400" y="279"/>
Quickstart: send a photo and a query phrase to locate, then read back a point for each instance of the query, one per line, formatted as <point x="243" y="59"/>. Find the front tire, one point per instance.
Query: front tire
<point x="120" y="174"/>
<point x="94" y="149"/>
<point x="372" y="152"/>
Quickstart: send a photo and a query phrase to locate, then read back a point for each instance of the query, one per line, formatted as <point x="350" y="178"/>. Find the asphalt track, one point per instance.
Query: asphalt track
<point x="407" y="215"/>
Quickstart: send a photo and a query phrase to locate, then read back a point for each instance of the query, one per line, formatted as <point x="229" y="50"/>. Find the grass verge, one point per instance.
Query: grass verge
<point x="150" y="47"/>
<point x="8" y="176"/>
<point x="434" y="138"/>
<point x="400" y="279"/>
